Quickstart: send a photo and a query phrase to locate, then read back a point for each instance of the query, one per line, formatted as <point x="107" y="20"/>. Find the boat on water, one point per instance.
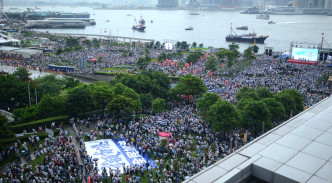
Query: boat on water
<point x="103" y="7"/>
<point x="252" y="10"/>
<point x="189" y="28"/>
<point x="129" y="15"/>
<point x="242" y="28"/>
<point x="263" y="16"/>
<point x="271" y="22"/>
<point x="107" y="21"/>
<point x="141" y="21"/>
<point x="194" y="13"/>
<point x="151" y="21"/>
<point x="36" y="8"/>
<point x="139" y="27"/>
<point x="245" y="38"/>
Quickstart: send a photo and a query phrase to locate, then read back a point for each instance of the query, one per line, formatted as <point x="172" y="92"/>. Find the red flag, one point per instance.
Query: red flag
<point x="275" y="61"/>
<point x="210" y="73"/>
<point x="28" y="77"/>
<point x="35" y="84"/>
<point x="222" y="65"/>
<point x="226" y="82"/>
<point x="323" y="34"/>
<point x="236" y="85"/>
<point x="184" y="53"/>
<point x="165" y="63"/>
<point x="183" y="68"/>
<point x="195" y="71"/>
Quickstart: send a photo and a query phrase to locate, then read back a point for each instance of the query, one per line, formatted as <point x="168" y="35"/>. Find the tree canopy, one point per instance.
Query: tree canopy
<point x="223" y="116"/>
<point x="205" y="102"/>
<point x="190" y="85"/>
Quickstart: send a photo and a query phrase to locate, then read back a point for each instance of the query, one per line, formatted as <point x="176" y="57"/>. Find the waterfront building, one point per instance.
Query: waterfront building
<point x="167" y="4"/>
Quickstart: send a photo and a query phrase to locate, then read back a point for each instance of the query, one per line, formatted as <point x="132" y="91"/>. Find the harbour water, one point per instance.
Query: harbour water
<point x="210" y="27"/>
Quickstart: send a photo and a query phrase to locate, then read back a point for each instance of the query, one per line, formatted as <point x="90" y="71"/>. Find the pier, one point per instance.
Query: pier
<point x="108" y="37"/>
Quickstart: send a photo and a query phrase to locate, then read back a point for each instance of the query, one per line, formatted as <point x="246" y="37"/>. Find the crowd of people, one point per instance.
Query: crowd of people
<point x="192" y="145"/>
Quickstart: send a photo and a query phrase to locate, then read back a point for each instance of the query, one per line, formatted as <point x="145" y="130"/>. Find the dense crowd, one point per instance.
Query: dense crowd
<point x="191" y="147"/>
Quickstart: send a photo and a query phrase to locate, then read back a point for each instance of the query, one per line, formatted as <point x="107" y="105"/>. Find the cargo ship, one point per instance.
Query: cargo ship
<point x="245" y="38"/>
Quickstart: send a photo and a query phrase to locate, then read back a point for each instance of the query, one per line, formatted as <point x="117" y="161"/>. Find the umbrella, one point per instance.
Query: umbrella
<point x="93" y="60"/>
<point x="95" y="159"/>
<point x="102" y="55"/>
<point x="170" y="144"/>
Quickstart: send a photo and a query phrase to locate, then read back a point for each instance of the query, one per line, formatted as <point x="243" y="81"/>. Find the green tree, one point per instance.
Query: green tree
<point x="146" y="100"/>
<point x="191" y="85"/>
<point x="185" y="45"/>
<point x="4" y="130"/>
<point x="59" y="51"/>
<point x="264" y="93"/>
<point x="246" y="92"/>
<point x="95" y="42"/>
<point x="249" y="56"/>
<point x="299" y="99"/>
<point x="205" y="102"/>
<point x="287" y="101"/>
<point x="121" y="90"/>
<point x="234" y="48"/>
<point x="142" y="62"/>
<point x="79" y="100"/>
<point x="255" y="114"/>
<point x="157" y="45"/>
<point x="71" y="82"/>
<point x="201" y="45"/>
<point x="194" y="45"/>
<point x="223" y="116"/>
<point x="121" y="107"/>
<point x="158" y="105"/>
<point x="102" y="93"/>
<point x="21" y="73"/>
<point x="276" y="109"/>
<point x="194" y="57"/>
<point x="255" y="48"/>
<point x="72" y="42"/>
<point x="211" y="64"/>
<point x="88" y="43"/>
<point x="50" y="106"/>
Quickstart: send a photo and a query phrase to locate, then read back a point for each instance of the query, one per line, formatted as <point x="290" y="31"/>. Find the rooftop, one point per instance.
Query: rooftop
<point x="299" y="150"/>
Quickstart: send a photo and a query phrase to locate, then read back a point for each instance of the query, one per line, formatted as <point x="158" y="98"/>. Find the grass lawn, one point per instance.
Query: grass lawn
<point x="115" y="69"/>
<point x="154" y="60"/>
<point x="39" y="160"/>
<point x="198" y="48"/>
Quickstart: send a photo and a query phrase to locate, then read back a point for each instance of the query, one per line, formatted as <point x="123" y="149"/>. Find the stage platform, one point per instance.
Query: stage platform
<point x="302" y="62"/>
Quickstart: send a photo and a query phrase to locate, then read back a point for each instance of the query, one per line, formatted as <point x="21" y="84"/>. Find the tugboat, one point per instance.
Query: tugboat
<point x="140" y="27"/>
<point x="245" y="38"/>
<point x="141" y="21"/>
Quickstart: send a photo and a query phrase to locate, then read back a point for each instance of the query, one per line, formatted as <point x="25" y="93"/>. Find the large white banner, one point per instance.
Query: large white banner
<point x="114" y="154"/>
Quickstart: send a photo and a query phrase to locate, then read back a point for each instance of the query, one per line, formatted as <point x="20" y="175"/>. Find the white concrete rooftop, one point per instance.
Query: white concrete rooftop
<point x="299" y="150"/>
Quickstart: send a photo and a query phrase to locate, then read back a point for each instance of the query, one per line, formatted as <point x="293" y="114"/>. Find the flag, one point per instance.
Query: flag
<point x="323" y="34"/>
<point x="35" y="84"/>
<point x="222" y="65"/>
<point x="195" y="71"/>
<point x="28" y="77"/>
<point x="183" y="68"/>
<point x="210" y="73"/>
<point x="236" y="85"/>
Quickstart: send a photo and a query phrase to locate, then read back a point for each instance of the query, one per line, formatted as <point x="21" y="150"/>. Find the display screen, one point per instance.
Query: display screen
<point x="169" y="46"/>
<point x="305" y="54"/>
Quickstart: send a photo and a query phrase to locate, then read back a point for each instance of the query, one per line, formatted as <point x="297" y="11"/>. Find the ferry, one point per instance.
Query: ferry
<point x="189" y="28"/>
<point x="263" y="16"/>
<point x="139" y="27"/>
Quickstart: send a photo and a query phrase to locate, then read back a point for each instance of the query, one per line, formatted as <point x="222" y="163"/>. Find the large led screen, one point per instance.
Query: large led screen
<point x="305" y="54"/>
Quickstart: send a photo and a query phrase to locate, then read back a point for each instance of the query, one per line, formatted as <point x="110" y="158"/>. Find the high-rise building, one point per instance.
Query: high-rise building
<point x="210" y="4"/>
<point x="167" y="4"/>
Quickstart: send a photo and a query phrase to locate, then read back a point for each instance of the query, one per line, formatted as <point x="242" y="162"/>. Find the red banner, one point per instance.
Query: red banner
<point x="164" y="134"/>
